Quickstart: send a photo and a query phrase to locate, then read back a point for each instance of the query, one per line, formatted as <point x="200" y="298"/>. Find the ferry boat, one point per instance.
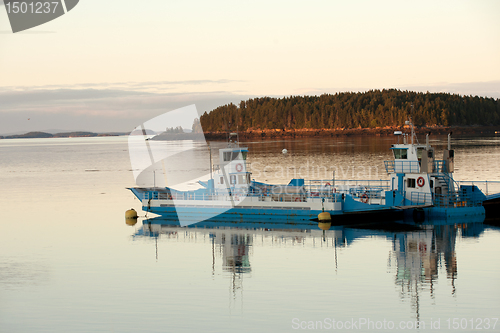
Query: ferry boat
<point x="419" y="187"/>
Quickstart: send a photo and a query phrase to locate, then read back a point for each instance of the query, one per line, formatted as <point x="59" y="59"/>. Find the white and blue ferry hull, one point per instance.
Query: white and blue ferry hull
<point x="343" y="209"/>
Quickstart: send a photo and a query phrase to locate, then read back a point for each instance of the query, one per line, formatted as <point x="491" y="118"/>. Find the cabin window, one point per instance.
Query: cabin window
<point x="233" y="179"/>
<point x="400" y="153"/>
<point x="241" y="179"/>
<point x="222" y="180"/>
<point x="248" y="178"/>
<point x="431" y="183"/>
<point x="234" y="155"/>
<point x="410" y="182"/>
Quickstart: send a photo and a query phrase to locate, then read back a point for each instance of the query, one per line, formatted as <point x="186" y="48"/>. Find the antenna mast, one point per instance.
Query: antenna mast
<point x="411" y="124"/>
<point x="210" y="150"/>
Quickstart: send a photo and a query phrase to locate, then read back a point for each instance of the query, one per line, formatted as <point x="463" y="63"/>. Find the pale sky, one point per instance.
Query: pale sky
<point x="111" y="65"/>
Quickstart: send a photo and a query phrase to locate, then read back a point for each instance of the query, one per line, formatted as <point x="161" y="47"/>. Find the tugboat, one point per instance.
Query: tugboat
<point x="427" y="185"/>
<point x="420" y="187"/>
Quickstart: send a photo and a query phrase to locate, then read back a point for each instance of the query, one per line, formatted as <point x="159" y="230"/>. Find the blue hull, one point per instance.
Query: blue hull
<point x="448" y="214"/>
<point x="310" y="217"/>
<point x="278" y="216"/>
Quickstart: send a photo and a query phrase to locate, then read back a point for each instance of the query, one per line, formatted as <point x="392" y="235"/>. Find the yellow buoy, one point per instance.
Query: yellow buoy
<point x="324" y="219"/>
<point x="131" y="217"/>
<point x="131" y="222"/>
<point x="324" y="225"/>
<point x="324" y="216"/>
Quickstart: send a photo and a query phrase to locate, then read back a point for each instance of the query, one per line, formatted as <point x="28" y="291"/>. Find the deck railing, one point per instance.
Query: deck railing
<point x="487" y="187"/>
<point x="419" y="198"/>
<point x="331" y="190"/>
<point x="236" y="197"/>
<point x="401" y="166"/>
<point x="457" y="199"/>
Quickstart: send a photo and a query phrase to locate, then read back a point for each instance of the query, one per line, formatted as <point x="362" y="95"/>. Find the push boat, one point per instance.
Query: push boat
<point x="420" y="187"/>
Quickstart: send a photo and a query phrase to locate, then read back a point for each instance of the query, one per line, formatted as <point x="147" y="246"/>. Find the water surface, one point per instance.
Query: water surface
<point x="69" y="263"/>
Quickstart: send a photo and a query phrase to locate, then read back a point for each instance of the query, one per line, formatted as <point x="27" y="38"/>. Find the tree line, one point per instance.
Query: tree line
<point x="374" y="108"/>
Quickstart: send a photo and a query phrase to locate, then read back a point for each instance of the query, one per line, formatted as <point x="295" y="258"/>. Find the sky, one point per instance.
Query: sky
<point x="112" y="65"/>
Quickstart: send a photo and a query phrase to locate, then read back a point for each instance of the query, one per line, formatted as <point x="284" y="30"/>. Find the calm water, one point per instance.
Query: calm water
<point x="69" y="263"/>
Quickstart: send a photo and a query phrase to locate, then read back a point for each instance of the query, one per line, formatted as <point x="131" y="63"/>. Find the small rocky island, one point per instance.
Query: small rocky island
<point x="42" y="135"/>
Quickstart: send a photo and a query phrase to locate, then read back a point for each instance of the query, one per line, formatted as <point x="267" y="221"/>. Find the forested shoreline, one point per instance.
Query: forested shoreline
<point x="374" y="111"/>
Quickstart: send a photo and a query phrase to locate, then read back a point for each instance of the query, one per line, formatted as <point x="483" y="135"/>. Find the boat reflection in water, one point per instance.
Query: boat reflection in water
<point x="418" y="255"/>
<point x="233" y="243"/>
<point x="418" y="251"/>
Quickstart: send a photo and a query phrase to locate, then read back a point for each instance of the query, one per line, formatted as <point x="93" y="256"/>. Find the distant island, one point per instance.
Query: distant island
<point x="178" y="133"/>
<point x="376" y="112"/>
<point x="38" y="135"/>
<point x="178" y="136"/>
